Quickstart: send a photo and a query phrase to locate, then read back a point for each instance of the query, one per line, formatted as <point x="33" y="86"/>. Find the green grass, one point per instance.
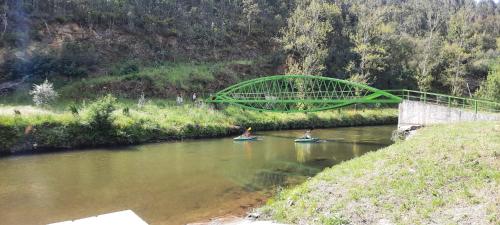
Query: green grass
<point x="156" y="81"/>
<point x="446" y="174"/>
<point x="161" y="80"/>
<point x="158" y="120"/>
<point x="178" y="72"/>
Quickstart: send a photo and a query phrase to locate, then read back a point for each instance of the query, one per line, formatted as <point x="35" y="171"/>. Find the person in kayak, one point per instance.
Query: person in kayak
<point x="247" y="133"/>
<point x="307" y="135"/>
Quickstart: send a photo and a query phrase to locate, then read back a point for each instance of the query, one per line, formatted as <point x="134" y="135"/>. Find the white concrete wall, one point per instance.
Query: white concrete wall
<point x="419" y="113"/>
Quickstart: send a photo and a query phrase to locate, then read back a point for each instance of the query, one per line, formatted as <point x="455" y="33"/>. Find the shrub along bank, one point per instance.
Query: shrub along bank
<point x="107" y="122"/>
<point x="447" y="174"/>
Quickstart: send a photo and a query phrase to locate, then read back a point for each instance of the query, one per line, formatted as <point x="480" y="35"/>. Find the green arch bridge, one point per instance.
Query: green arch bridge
<point x="305" y="93"/>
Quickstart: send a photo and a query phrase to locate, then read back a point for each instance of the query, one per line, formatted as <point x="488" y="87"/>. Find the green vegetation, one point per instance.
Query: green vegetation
<point x="111" y="122"/>
<point x="430" y="45"/>
<point x="129" y="80"/>
<point x="446" y="174"/>
<point x="163" y="80"/>
<point x="307" y="34"/>
<point x="490" y="89"/>
<point x="152" y="49"/>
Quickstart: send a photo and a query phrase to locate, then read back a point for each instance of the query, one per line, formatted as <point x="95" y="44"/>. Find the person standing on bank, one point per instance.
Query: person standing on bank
<point x="194" y="97"/>
<point x="179" y="99"/>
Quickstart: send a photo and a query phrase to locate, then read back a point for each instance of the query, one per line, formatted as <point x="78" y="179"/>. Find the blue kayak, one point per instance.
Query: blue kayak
<point x="307" y="140"/>
<point x="241" y="138"/>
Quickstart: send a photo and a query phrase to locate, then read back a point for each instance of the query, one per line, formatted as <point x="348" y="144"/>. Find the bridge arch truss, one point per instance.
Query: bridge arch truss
<point x="300" y="93"/>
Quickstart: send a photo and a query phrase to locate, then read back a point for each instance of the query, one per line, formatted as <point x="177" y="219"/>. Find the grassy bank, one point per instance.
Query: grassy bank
<point x="108" y="122"/>
<point x="161" y="80"/>
<point x="447" y="174"/>
<point x="130" y="79"/>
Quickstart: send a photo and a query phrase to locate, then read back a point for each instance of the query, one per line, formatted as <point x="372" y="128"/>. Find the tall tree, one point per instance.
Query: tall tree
<point x="457" y="52"/>
<point x="366" y="37"/>
<point x="307" y="34"/>
<point x="434" y="15"/>
<point x="251" y="10"/>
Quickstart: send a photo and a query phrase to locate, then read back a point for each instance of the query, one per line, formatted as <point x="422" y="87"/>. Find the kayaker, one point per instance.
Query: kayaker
<point x="247" y="132"/>
<point x="307" y="135"/>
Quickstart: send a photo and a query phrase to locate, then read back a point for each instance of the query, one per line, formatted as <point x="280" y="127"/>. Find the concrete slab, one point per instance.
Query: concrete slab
<point x="127" y="217"/>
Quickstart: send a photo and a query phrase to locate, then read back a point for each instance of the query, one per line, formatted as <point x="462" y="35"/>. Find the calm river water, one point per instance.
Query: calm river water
<point x="171" y="183"/>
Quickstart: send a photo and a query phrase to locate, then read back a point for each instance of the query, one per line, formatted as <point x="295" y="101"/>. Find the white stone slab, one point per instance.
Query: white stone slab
<point x="126" y="217"/>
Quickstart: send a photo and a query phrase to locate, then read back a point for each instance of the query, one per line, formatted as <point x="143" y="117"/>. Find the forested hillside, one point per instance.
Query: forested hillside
<point x="447" y="46"/>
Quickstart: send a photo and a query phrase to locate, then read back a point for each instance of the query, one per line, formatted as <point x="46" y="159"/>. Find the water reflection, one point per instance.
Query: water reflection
<point x="247" y="148"/>
<point x="356" y="150"/>
<point x="303" y="151"/>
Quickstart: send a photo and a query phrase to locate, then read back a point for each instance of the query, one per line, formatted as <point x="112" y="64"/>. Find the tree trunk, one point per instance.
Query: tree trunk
<point x="5" y="24"/>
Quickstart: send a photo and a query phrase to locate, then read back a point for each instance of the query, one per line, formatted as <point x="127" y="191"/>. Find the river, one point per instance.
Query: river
<point x="173" y="182"/>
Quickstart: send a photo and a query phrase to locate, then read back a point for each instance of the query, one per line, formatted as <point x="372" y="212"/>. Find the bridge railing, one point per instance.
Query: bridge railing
<point x="448" y="100"/>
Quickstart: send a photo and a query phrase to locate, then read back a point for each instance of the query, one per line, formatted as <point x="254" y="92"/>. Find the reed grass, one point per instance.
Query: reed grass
<point x="38" y="129"/>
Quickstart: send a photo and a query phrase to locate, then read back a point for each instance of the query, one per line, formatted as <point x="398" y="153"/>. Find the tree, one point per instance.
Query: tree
<point x="456" y="53"/>
<point x="490" y="88"/>
<point x="368" y="39"/>
<point x="454" y="75"/>
<point x="424" y="44"/>
<point x="3" y="18"/>
<point x="434" y="14"/>
<point x="251" y="10"/>
<point x="307" y="34"/>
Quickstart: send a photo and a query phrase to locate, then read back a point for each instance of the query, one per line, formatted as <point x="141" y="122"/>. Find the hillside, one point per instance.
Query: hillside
<point x="431" y="45"/>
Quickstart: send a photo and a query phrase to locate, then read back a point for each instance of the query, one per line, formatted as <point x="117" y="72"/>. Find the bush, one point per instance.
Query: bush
<point x="74" y="109"/>
<point x="43" y="94"/>
<point x="130" y="68"/>
<point x="41" y="65"/>
<point x="490" y="88"/>
<point x="76" y="58"/>
<point x="100" y="117"/>
<point x="125" y="68"/>
<point x="15" y="38"/>
<point x="9" y="135"/>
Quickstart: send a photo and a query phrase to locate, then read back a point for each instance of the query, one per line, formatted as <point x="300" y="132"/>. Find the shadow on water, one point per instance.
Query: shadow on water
<point x="48" y="151"/>
<point x="280" y="173"/>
